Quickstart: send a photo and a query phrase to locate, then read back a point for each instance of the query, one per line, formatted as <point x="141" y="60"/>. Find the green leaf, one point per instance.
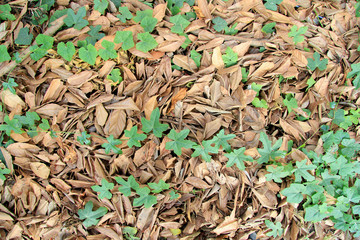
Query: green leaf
<point x="269" y="152"/>
<point x="244" y="74"/>
<point x="290" y="102"/>
<point x="147" y="42"/>
<point x="301" y="171"/>
<point x="4" y="171"/>
<point x="144" y="198"/>
<point x="126" y="38"/>
<point x="277" y="173"/>
<point x="175" y="6"/>
<point x="221" y="140"/>
<point x="187" y="40"/>
<point x="4" y="55"/>
<point x="140" y="15"/>
<point x="66" y="51"/>
<point x="232" y="30"/>
<point x="272" y="4"/>
<point x="45" y="43"/>
<point x="154" y="124"/>
<point x="350" y="148"/>
<point x="174" y="195"/>
<point x="103" y="190"/>
<point x="11" y="125"/>
<point x="296" y="33"/>
<point x="355" y="70"/>
<point x="44" y="125"/>
<point x="24" y="38"/>
<point x="276" y="229"/>
<point x="268" y="28"/>
<point x="310" y="82"/>
<point x="84" y="138"/>
<point x="124" y="14"/>
<point x="101" y="6"/>
<point x="95" y="35"/>
<point x="90" y="216"/>
<point x="76" y="20"/>
<point x="194" y="55"/>
<point x="219" y="24"/>
<point x="259" y="103"/>
<point x="180" y="23"/>
<point x="58" y="14"/>
<point x="313" y="214"/>
<point x="179" y="141"/>
<point x="338" y="116"/>
<point x="88" y="55"/>
<point x="111" y="145"/>
<point x="5" y="13"/>
<point x="148" y="23"/>
<point x="294" y="193"/>
<point x="134" y="137"/>
<point x="238" y="157"/>
<point x="204" y="149"/>
<point x="230" y="58"/>
<point x="316" y="63"/>
<point x="29" y="119"/>
<point x="331" y="138"/>
<point x="108" y="50"/>
<point x="10" y="84"/>
<point x="127" y="185"/>
<point x="159" y="187"/>
<point x="130" y="233"/>
<point x="115" y="76"/>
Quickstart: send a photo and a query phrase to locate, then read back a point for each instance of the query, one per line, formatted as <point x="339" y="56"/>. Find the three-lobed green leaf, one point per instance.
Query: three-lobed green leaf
<point x="111" y="145"/>
<point x="204" y="149"/>
<point x="179" y="141"/>
<point x="147" y="42"/>
<point x="219" y="24"/>
<point x="355" y="70"/>
<point x="127" y="185"/>
<point x="159" y="187"/>
<point x="154" y="124"/>
<point x="317" y="63"/>
<point x="101" y="6"/>
<point x="90" y="216"/>
<point x="124" y="15"/>
<point x="126" y="38"/>
<point x="88" y="54"/>
<point x="108" y="50"/>
<point x="104" y="189"/>
<point x="76" y="20"/>
<point x="144" y="198"/>
<point x="297" y="33"/>
<point x="134" y="137"/>
<point x="230" y="57"/>
<point x="84" y="138"/>
<point x="11" y="125"/>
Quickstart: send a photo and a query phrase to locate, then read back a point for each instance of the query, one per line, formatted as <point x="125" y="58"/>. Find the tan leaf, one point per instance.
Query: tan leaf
<point x="217" y="60"/>
<point x="185" y="62"/>
<point x="197" y="182"/>
<point x="40" y="169"/>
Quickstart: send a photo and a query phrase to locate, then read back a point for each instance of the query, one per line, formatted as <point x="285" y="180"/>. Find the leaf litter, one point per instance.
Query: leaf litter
<point x="195" y="75"/>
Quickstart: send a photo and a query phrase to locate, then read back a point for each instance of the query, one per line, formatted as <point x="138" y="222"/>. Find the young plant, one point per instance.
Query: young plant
<point x="180" y="23"/>
<point x="76" y="20"/>
<point x="126" y="186"/>
<point x="222" y="140"/>
<point x="269" y="28"/>
<point x="219" y="24"/>
<point x="10" y="84"/>
<point x="154" y="124"/>
<point x="88" y="54"/>
<point x="276" y="229"/>
<point x="194" y="55"/>
<point x="130" y="233"/>
<point x="355" y="71"/>
<point x="297" y="34"/>
<point x="269" y="152"/>
<point x="179" y="141"/>
<point x="238" y="157"/>
<point x="124" y="15"/>
<point x="148" y="23"/>
<point x="126" y="38"/>
<point x="5" y="13"/>
<point x="101" y="6"/>
<point x="104" y="189"/>
<point x="84" y="138"/>
<point x="44" y="44"/>
<point x="316" y="63"/>
<point x="24" y="37"/>
<point x="144" y="198"/>
<point x="147" y="42"/>
<point x="4" y="171"/>
<point x="272" y="4"/>
<point x="67" y="51"/>
<point x="230" y="58"/>
<point x="134" y="137"/>
<point x="159" y="187"/>
<point x="259" y="103"/>
<point x="108" y="50"/>
<point x="290" y="102"/>
<point x="111" y="145"/>
<point x="90" y="216"/>
<point x="94" y="35"/>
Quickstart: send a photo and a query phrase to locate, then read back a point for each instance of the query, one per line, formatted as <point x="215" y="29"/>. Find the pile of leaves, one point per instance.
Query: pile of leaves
<point x="183" y="119"/>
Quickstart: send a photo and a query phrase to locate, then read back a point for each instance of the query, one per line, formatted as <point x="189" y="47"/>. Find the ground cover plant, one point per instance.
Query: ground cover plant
<point x="179" y="119"/>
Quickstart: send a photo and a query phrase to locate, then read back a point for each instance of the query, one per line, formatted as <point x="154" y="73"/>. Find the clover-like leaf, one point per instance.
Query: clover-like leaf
<point x="104" y="189"/>
<point x="159" y="187"/>
<point x="44" y="43"/>
<point x="269" y="152"/>
<point x="290" y="102"/>
<point x="115" y="76"/>
<point x="67" y="51"/>
<point x="5" y="13"/>
<point x="180" y="23"/>
<point x="238" y="157"/>
<point x="111" y="145"/>
<point x="147" y="42"/>
<point x="24" y="37"/>
<point x="108" y="50"/>
<point x="94" y="35"/>
<point x="174" y="195"/>
<point x="126" y="38"/>
<point x="179" y="141"/>
<point x="76" y="20"/>
<point x="134" y="137"/>
<point x="154" y="124"/>
<point x="127" y="185"/>
<point x="279" y="172"/>
<point x="88" y="54"/>
<point x="194" y="55"/>
<point x="84" y="138"/>
<point x="140" y="15"/>
<point x="317" y="63"/>
<point x="276" y="229"/>
<point x="124" y="15"/>
<point x="11" y="125"/>
<point x="272" y="4"/>
<point x="44" y="125"/>
<point x="297" y="34"/>
<point x="148" y="23"/>
<point x="204" y="149"/>
<point x="10" y="84"/>
<point x="90" y="216"/>
<point x="230" y="57"/>
<point x="144" y="198"/>
<point x="219" y="24"/>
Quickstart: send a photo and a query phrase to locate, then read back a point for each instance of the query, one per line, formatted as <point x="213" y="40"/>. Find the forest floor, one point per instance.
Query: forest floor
<point x="185" y="119"/>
